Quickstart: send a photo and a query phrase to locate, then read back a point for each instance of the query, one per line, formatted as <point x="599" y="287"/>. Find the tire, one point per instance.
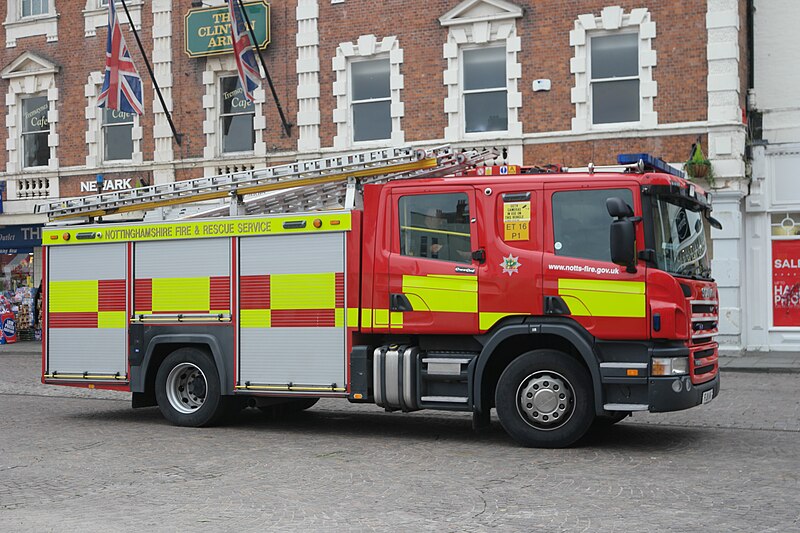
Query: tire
<point x="290" y="407"/>
<point x="188" y="389"/>
<point x="544" y="399"/>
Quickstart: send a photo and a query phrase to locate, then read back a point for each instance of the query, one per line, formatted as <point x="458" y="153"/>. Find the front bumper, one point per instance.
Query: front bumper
<point x="665" y="395"/>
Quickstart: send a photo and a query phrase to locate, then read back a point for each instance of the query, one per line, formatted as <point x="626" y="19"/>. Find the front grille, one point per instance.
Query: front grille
<point x="705" y="320"/>
<point x="704" y="369"/>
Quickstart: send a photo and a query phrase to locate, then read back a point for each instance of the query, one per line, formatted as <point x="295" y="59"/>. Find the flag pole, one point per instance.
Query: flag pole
<point x="287" y="126"/>
<point x="177" y="136"/>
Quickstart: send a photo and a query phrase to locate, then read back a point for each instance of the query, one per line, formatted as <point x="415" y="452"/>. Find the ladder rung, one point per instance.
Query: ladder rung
<point x="380" y="164"/>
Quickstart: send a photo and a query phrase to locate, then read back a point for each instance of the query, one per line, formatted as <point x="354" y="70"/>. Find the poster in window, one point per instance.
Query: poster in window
<point x="786" y="283"/>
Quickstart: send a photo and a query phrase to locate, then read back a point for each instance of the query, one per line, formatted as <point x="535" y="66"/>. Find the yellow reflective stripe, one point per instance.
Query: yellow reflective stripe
<point x="342" y="221"/>
<point x="396" y="319"/>
<point x="338" y="317"/>
<point x="453" y="294"/>
<point x="428" y="230"/>
<point x="487" y="320"/>
<point x="303" y="291"/>
<point x="112" y="320"/>
<point x="72" y="296"/>
<point x="366" y="318"/>
<point x="604" y="297"/>
<point x="352" y="317"/>
<point x="143" y="312"/>
<point x="381" y="317"/>
<point x="576" y="306"/>
<point x="255" y="318"/>
<point x="417" y="303"/>
<point x="181" y="294"/>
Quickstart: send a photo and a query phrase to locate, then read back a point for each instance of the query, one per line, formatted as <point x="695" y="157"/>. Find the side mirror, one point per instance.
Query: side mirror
<point x="618" y="208"/>
<point x="623" y="244"/>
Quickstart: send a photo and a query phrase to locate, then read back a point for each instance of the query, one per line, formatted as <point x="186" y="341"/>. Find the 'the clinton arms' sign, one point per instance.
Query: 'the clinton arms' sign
<point x="207" y="31"/>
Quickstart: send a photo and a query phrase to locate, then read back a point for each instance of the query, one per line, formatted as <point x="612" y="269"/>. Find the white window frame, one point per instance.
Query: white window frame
<point x="367" y="47"/>
<point x="29" y="75"/>
<point x="33" y="15"/>
<point x="464" y="91"/>
<point x="17" y="26"/>
<point x="613" y="20"/>
<point x="218" y="67"/>
<point x="95" y="131"/>
<point x="353" y="102"/>
<point x="482" y="23"/>
<point x="95" y="15"/>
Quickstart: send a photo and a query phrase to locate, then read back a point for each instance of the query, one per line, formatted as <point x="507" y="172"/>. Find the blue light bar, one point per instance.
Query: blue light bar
<point x="650" y="163"/>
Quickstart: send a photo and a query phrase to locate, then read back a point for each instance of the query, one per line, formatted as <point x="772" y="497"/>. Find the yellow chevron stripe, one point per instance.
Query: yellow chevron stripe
<point x="604" y="297"/>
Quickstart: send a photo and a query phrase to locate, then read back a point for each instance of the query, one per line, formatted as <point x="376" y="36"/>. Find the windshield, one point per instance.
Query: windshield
<point x="680" y="239"/>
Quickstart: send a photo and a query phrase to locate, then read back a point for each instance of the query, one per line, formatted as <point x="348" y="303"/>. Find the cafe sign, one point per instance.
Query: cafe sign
<point x="207" y="30"/>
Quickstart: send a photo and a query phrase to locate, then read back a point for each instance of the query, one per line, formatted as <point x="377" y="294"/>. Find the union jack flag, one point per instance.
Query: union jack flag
<point x="122" y="86"/>
<point x="249" y="76"/>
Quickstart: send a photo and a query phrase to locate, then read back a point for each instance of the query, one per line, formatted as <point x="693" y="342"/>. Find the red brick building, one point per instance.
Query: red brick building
<point x="548" y="81"/>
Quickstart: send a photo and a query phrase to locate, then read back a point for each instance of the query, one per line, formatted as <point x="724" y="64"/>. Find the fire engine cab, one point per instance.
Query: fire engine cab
<point x="565" y="300"/>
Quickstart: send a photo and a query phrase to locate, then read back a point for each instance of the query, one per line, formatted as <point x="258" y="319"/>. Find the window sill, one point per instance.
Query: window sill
<point x="96" y="18"/>
<point x="30" y="27"/>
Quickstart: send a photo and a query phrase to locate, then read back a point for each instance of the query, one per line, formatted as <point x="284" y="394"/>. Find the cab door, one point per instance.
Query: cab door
<point x="433" y="280"/>
<point x="580" y="281"/>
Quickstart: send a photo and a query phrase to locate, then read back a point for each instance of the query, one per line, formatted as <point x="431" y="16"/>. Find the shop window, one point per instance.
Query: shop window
<point x="581" y="223"/>
<point x="485" y="91"/>
<point x="117" y="135"/>
<point x="35" y="132"/>
<point x="435" y="226"/>
<point x="371" y="100"/>
<point x="785" y="224"/>
<point x="33" y="8"/>
<point x="615" y="78"/>
<point x="236" y="118"/>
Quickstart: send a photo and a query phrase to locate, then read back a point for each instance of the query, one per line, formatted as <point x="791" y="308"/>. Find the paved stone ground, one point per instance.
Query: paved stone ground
<point x="79" y="460"/>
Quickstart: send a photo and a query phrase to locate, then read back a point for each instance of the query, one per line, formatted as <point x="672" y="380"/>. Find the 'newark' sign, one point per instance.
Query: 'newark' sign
<point x="208" y="30"/>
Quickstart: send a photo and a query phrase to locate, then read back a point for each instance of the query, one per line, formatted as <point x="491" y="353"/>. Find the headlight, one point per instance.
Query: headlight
<point x="670" y="366"/>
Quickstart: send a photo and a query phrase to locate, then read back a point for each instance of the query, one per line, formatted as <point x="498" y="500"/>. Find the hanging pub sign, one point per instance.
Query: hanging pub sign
<point x="207" y="31"/>
<point x="786" y="282"/>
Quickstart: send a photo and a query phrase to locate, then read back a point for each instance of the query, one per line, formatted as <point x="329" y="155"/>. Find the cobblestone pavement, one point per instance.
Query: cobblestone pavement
<point x="79" y="460"/>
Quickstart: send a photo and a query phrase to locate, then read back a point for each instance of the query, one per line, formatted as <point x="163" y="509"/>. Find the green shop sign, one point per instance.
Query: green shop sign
<point x="208" y="30"/>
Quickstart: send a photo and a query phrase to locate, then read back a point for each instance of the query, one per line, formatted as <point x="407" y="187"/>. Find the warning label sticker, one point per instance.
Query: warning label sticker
<point x="516" y="218"/>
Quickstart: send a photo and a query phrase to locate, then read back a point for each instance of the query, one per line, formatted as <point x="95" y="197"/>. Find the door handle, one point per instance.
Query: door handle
<point x="399" y="302"/>
<point x="479" y="256"/>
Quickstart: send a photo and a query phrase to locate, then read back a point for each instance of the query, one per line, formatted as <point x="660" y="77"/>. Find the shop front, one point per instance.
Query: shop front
<point x="773" y="251"/>
<point x="20" y="275"/>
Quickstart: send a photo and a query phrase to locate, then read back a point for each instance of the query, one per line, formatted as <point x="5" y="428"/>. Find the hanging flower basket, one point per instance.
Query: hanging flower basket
<point x="698" y="169"/>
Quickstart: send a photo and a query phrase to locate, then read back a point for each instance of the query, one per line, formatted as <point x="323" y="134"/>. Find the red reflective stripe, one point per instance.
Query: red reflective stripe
<point x="111" y="295"/>
<point x="220" y="297"/>
<point x="254" y="292"/>
<point x="72" y="320"/>
<point x="340" y="290"/>
<point x="300" y="318"/>
<point x="143" y="295"/>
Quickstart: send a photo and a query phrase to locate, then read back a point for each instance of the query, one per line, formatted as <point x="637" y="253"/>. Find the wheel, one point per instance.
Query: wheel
<point x="290" y="407"/>
<point x="544" y="399"/>
<point x="188" y="390"/>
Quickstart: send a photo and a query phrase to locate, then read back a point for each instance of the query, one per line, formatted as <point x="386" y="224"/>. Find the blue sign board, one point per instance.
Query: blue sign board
<point x="20" y="239"/>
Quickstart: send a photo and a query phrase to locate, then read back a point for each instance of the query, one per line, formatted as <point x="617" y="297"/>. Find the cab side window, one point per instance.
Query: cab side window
<point x="435" y="226"/>
<point x="581" y="223"/>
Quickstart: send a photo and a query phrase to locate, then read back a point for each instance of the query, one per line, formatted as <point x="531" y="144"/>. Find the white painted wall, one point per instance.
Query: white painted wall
<point x="777" y="68"/>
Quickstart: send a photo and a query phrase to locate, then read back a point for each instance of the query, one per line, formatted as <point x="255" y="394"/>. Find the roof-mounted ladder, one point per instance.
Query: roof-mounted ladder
<point x="313" y="184"/>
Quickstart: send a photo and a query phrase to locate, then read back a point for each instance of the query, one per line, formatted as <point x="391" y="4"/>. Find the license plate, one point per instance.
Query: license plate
<point x="708" y="396"/>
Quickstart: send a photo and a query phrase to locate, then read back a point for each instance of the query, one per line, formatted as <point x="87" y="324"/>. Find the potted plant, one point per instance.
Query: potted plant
<point x="698" y="166"/>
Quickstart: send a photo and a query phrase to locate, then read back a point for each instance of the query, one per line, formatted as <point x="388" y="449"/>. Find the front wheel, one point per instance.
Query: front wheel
<point x="544" y="399"/>
<point x="188" y="389"/>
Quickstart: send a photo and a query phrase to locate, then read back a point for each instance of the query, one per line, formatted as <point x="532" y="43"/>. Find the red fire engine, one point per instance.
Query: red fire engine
<point x="562" y="299"/>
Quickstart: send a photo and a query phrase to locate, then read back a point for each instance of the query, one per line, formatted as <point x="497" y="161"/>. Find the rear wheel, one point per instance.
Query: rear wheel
<point x="188" y="389"/>
<point x="544" y="399"/>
